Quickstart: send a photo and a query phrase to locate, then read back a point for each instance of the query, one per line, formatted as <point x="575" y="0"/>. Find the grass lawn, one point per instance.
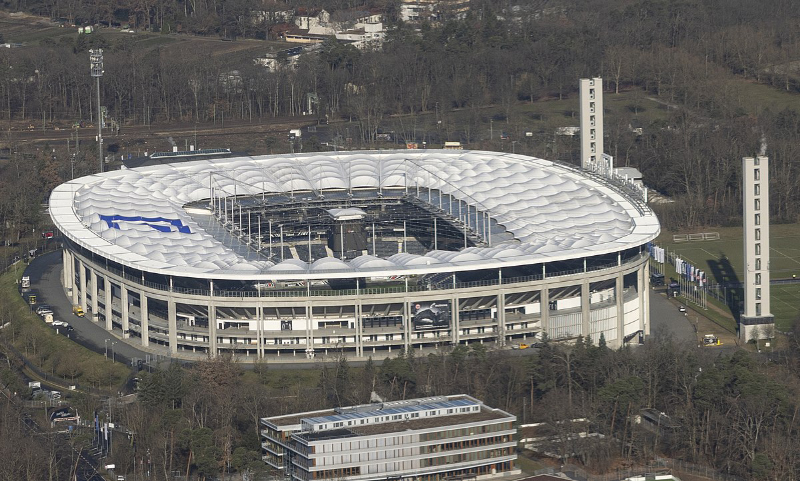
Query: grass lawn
<point x="52" y="353"/>
<point x="528" y="465"/>
<point x="755" y="98"/>
<point x="723" y="260"/>
<point x="540" y="118"/>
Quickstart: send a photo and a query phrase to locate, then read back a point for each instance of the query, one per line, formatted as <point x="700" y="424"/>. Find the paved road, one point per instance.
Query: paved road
<point x="667" y="320"/>
<point x="45" y="273"/>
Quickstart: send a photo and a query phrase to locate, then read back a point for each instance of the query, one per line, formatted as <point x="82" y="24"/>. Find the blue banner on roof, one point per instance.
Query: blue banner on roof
<point x="161" y="224"/>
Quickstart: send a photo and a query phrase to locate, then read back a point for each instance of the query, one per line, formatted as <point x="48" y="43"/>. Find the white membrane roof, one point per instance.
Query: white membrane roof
<point x="138" y="217"/>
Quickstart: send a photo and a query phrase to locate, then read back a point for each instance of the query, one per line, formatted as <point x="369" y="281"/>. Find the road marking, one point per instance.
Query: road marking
<point x="712" y="255"/>
<point x="785" y="256"/>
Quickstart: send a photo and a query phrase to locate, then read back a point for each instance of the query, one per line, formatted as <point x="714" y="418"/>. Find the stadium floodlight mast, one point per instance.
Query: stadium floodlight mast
<point x="96" y="62"/>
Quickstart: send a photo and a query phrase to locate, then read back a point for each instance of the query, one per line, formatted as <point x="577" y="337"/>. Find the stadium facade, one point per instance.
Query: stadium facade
<point x="364" y="253"/>
<point x="429" y="439"/>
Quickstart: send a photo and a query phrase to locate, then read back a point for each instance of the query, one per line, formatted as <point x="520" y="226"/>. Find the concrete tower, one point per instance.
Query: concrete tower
<point x="756" y="320"/>
<point x="591" y="96"/>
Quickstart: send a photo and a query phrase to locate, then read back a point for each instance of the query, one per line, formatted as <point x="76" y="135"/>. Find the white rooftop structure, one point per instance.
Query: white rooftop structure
<point x="145" y="218"/>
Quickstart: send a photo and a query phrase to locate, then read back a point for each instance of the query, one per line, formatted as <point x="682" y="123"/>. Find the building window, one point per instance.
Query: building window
<point x="756" y="161"/>
<point x="758" y="219"/>
<point x="758" y="308"/>
<point x="758" y="249"/>
<point x="757" y="189"/>
<point x="758" y="234"/>
<point x="758" y="204"/>
<point x="757" y="174"/>
<point x="758" y="293"/>
<point x="758" y="264"/>
<point x="758" y="279"/>
<point x="591" y="109"/>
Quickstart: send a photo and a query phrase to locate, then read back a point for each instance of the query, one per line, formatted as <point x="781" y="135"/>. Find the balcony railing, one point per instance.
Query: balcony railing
<point x="304" y="292"/>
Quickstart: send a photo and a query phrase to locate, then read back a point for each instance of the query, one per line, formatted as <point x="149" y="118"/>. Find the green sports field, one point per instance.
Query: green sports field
<point x="723" y="262"/>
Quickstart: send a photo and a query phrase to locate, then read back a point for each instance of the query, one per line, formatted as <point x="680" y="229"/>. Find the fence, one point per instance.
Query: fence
<point x="702" y="236"/>
<point x="21" y="250"/>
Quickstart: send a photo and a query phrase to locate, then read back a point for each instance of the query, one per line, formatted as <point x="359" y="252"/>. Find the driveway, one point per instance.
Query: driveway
<point x="667" y="320"/>
<point x="45" y="274"/>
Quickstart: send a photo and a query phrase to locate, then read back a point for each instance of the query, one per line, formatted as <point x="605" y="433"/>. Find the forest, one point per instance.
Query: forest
<point x="708" y="61"/>
<point x="736" y="411"/>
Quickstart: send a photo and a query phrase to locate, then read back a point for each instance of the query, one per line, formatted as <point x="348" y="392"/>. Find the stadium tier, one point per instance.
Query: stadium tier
<point x="361" y="253"/>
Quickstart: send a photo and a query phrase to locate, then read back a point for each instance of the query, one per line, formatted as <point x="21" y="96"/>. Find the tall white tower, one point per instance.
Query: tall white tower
<point x="591" y="112"/>
<point x="756" y="319"/>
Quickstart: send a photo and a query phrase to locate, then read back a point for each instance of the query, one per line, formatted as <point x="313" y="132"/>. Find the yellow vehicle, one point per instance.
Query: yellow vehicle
<point x="32" y="299"/>
<point x="711" y="340"/>
<point x="524" y="346"/>
<point x="78" y="311"/>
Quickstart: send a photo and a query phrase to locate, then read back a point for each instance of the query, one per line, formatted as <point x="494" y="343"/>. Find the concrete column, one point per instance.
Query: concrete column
<point x="501" y="317"/>
<point x="172" y="322"/>
<point x="69" y="279"/>
<point x="359" y="330"/>
<point x="455" y="328"/>
<point x="407" y="322"/>
<point x="109" y="309"/>
<point x="620" y="312"/>
<point x="95" y="290"/>
<point x="72" y="280"/>
<point x="258" y="330"/>
<point x="124" y="310"/>
<point x="586" y="314"/>
<point x="545" y="310"/>
<point x="644" y="297"/>
<point x="309" y="329"/>
<point x="65" y="279"/>
<point x="144" y="319"/>
<point x="82" y="280"/>
<point x="212" y="329"/>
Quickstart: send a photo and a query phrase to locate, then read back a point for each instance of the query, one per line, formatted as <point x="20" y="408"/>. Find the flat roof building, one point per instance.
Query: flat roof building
<point x="426" y="439"/>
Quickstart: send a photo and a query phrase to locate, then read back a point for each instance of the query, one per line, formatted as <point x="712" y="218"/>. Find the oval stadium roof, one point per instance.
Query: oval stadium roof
<point x="139" y="217"/>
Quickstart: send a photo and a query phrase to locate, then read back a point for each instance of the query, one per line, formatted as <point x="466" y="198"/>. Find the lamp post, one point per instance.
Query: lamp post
<point x="96" y="62"/>
<point x="106" y="343"/>
<point x="113" y="357"/>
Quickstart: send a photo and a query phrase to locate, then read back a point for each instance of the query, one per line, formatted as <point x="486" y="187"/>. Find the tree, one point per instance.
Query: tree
<point x="755" y="336"/>
<point x="203" y="454"/>
<point x="398" y="372"/>
<point x="151" y="390"/>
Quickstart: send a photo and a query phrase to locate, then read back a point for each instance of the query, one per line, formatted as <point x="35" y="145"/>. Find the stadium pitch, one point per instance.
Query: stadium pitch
<point x="723" y="261"/>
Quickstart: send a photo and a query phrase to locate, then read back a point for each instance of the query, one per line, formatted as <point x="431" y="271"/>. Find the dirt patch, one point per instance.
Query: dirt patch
<point x="704" y="325"/>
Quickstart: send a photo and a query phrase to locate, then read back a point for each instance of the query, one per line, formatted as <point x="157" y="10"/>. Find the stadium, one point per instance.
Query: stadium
<point x="362" y="253"/>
